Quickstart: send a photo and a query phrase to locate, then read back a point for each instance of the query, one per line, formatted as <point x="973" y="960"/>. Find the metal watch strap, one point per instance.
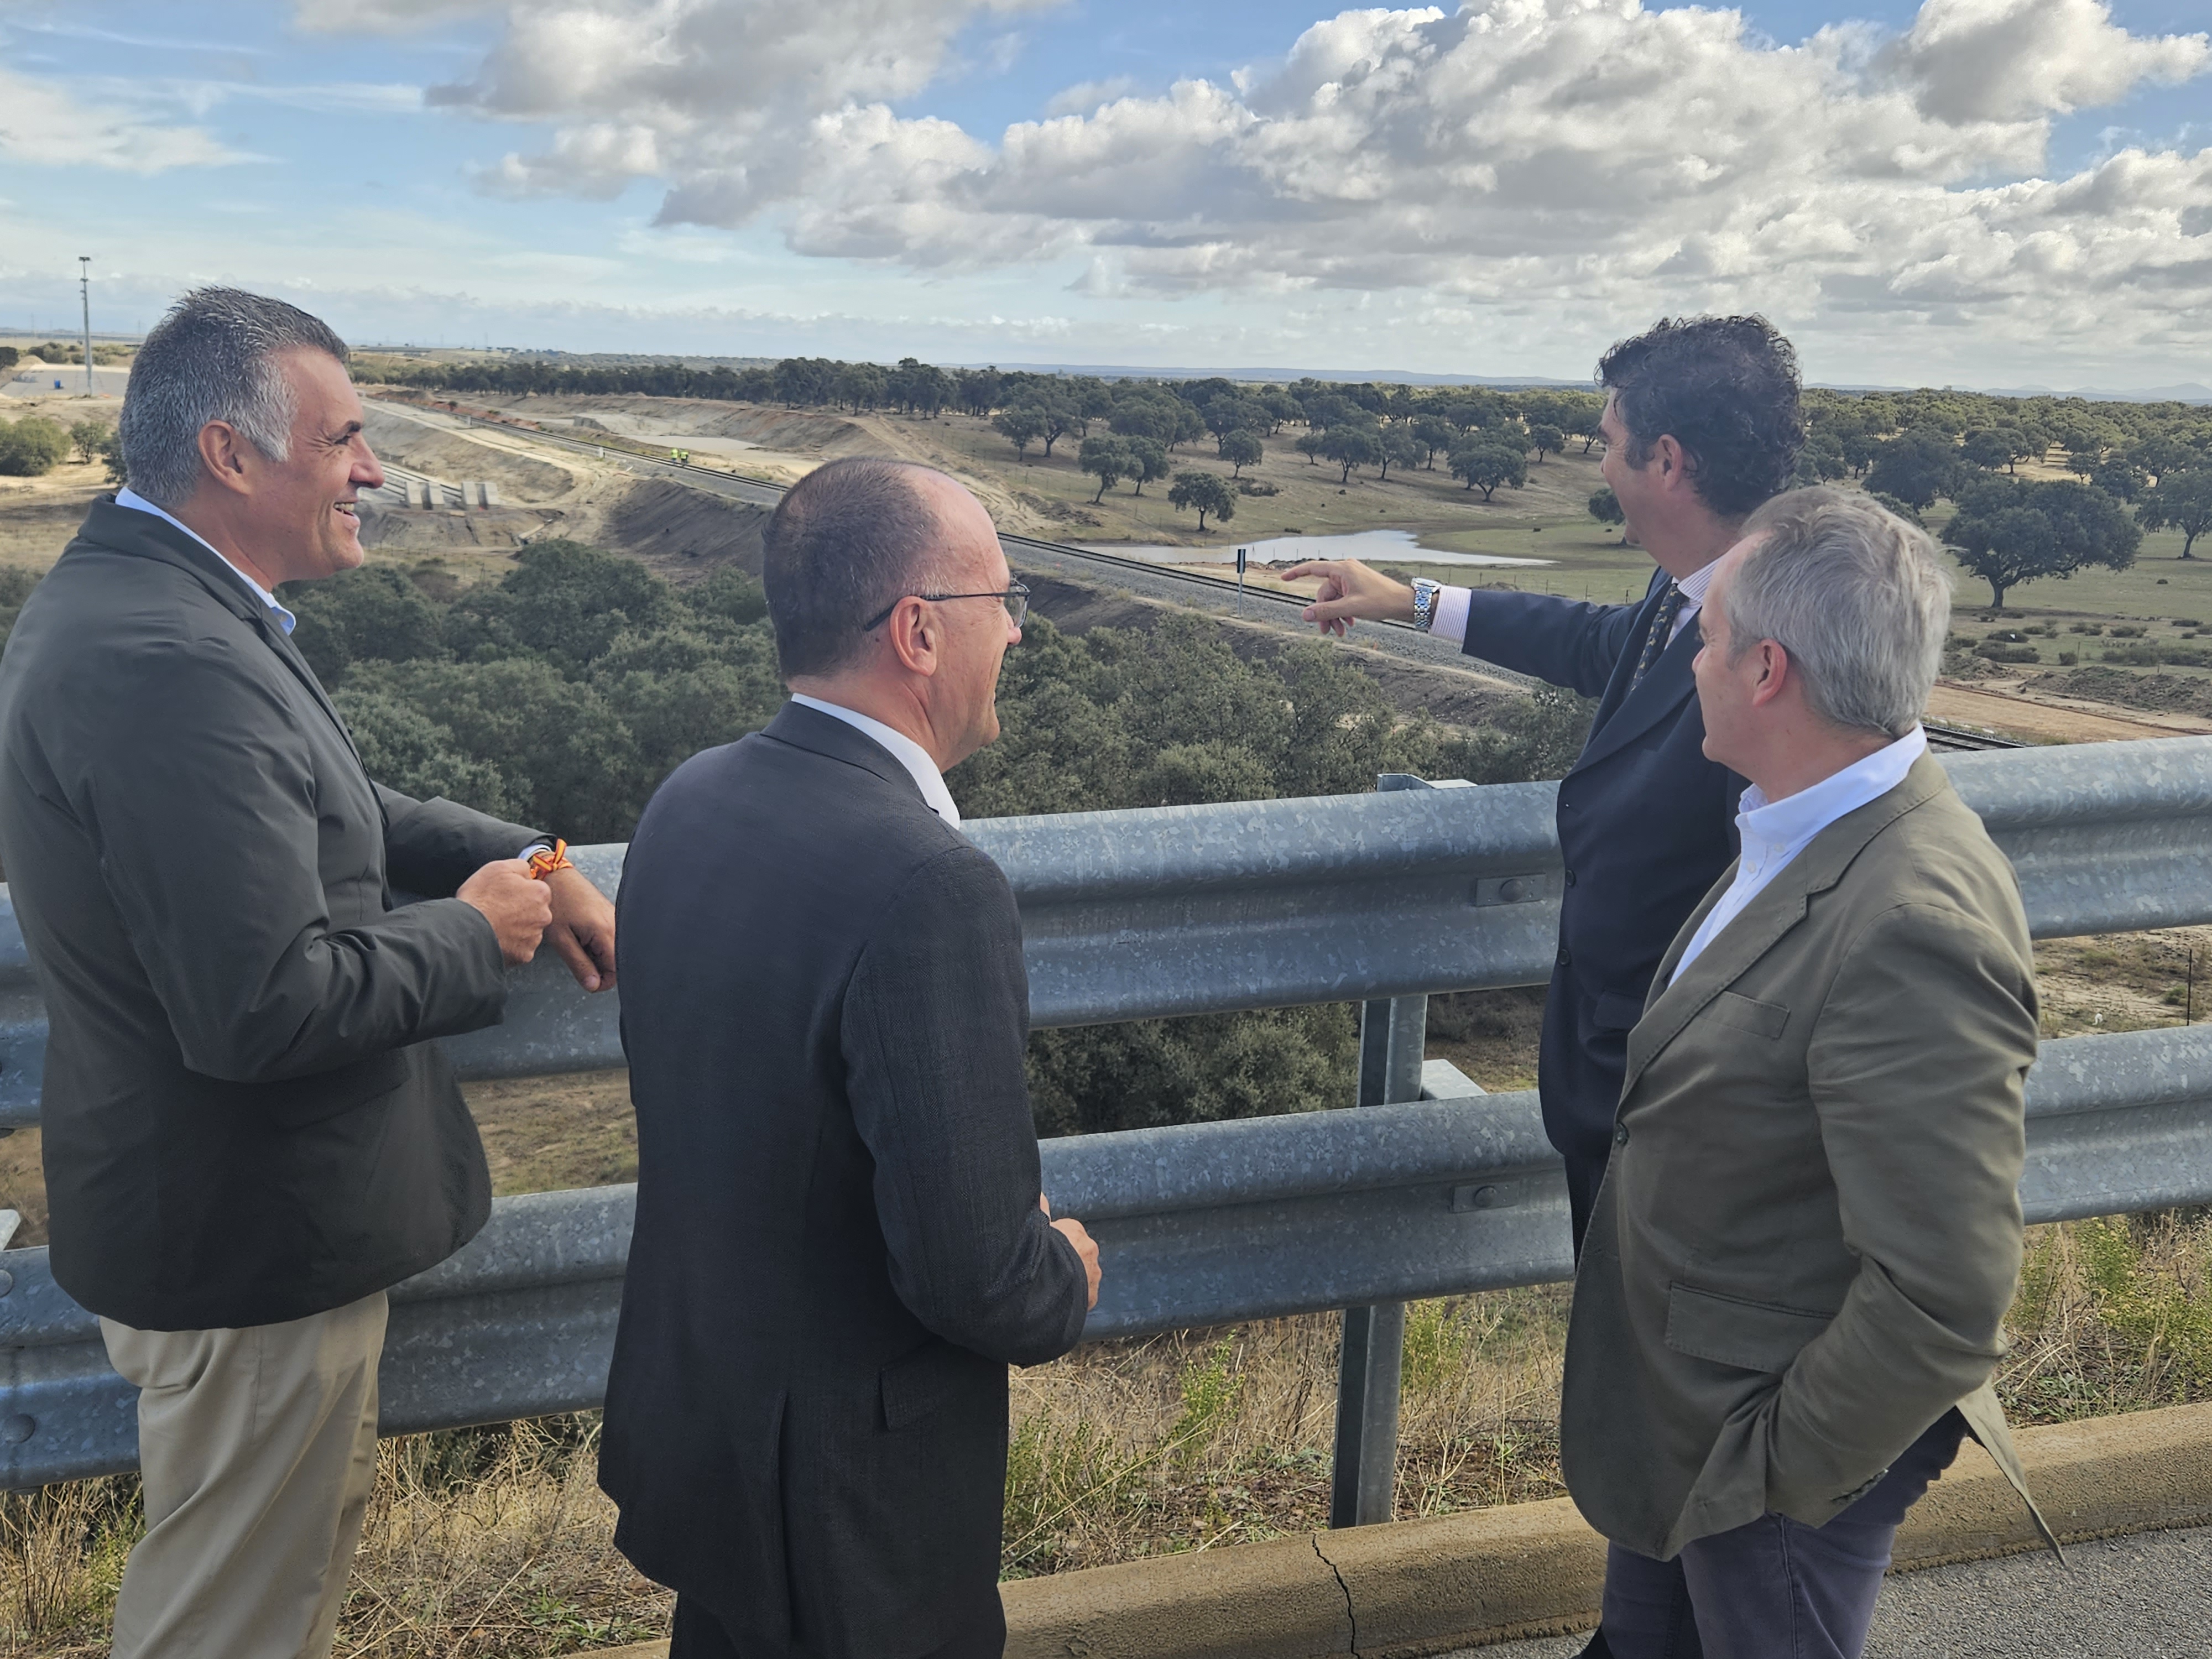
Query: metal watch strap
<point x="1424" y="602"/>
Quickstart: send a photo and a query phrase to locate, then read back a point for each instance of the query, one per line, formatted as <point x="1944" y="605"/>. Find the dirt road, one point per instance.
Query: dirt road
<point x="2041" y="719"/>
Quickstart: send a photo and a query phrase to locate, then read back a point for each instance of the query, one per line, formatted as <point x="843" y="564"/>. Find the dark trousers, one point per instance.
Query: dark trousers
<point x="699" y="1635"/>
<point x="1580" y="1066"/>
<point x="1776" y="1588"/>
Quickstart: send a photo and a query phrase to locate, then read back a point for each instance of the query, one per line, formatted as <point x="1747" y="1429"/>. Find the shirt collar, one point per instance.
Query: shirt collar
<point x="1694" y="584"/>
<point x="904" y="749"/>
<point x="130" y="498"/>
<point x="1795" y="819"/>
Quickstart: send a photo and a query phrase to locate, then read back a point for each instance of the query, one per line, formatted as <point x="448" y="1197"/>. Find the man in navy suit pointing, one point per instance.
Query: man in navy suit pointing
<point x="1701" y="425"/>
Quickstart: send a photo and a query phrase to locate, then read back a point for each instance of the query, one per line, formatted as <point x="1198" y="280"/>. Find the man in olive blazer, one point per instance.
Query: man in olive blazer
<point x="1790" y="1298"/>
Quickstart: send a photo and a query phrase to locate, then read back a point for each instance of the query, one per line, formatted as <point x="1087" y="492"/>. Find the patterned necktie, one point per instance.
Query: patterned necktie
<point x="1661" y="635"/>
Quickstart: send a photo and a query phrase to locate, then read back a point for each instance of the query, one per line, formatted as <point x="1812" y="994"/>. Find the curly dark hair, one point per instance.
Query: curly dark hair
<point x="1725" y="388"/>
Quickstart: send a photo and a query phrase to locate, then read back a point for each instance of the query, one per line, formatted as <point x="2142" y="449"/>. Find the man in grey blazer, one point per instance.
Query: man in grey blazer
<point x="841" y="1244"/>
<point x="247" y="1137"/>
<point x="1790" y="1299"/>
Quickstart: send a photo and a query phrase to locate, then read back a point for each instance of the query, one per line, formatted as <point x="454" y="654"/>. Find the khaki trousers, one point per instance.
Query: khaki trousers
<point x="259" y="1448"/>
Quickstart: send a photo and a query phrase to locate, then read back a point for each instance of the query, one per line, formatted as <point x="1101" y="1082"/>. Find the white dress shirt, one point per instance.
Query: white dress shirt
<point x="1454" y="602"/>
<point x="1775" y="832"/>
<point x="130" y="498"/>
<point x="904" y="749"/>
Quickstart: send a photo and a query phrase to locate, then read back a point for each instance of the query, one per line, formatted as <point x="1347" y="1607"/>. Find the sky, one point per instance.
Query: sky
<point x="1971" y="192"/>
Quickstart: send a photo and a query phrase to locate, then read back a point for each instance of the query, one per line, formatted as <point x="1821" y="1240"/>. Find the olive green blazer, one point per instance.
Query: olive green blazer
<point x="1809" y="1229"/>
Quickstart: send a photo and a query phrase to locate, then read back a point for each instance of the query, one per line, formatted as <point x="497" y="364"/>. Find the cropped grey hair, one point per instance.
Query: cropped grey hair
<point x="1858" y="598"/>
<point x="212" y="358"/>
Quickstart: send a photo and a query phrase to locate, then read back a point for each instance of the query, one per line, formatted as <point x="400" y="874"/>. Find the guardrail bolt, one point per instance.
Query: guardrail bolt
<point x="15" y="1430"/>
<point x="1465" y="1198"/>
<point x="7" y="1281"/>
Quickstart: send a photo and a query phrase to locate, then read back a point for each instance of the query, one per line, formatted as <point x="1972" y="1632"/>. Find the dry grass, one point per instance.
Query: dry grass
<point x="1198" y="1439"/>
<point x="495" y="1544"/>
<point x="479" y="1544"/>
<point x="2113" y="1314"/>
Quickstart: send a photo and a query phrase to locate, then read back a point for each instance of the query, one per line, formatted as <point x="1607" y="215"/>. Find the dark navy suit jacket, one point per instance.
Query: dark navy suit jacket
<point x="1647" y="824"/>
<point x="838" y="1248"/>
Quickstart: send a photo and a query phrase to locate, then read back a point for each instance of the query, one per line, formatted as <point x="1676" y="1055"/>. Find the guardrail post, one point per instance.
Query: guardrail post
<point x="1393" y="1033"/>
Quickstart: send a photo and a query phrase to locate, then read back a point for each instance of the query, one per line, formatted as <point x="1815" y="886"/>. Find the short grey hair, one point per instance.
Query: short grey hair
<point x="1859" y="598"/>
<point x="212" y="358"/>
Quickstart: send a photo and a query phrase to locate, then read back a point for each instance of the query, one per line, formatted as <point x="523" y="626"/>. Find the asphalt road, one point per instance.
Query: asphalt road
<point x="39" y="382"/>
<point x="2147" y="1597"/>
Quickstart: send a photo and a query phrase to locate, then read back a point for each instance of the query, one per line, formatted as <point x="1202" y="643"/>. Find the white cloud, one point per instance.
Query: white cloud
<point x="1087" y="95"/>
<point x="719" y="97"/>
<point x="43" y="124"/>
<point x="199" y="97"/>
<point x="2010" y="60"/>
<point x="1520" y="160"/>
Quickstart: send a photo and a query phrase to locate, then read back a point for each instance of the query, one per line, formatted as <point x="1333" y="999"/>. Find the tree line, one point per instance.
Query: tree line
<point x="2135" y="466"/>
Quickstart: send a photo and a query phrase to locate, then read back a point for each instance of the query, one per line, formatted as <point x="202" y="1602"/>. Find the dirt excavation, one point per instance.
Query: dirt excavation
<point x="779" y="445"/>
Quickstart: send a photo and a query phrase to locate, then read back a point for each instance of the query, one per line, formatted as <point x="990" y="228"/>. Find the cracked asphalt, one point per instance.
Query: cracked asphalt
<point x="2145" y="1596"/>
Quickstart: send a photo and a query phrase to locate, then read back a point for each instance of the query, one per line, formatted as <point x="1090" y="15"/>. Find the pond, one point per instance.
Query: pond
<point x="1398" y="546"/>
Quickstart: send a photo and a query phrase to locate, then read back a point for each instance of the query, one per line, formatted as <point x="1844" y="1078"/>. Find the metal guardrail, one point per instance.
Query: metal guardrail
<point x="1380" y="898"/>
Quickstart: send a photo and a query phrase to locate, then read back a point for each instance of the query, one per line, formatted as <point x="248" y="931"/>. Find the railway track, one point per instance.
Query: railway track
<point x="1956" y="737"/>
<point x="1401" y="637"/>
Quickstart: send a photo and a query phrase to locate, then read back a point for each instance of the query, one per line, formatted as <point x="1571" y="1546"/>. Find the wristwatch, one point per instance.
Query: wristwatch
<point x="1424" y="602"/>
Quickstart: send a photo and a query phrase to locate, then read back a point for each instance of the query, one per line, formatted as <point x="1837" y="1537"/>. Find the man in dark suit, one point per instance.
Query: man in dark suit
<point x="247" y="1136"/>
<point x="1701" y="426"/>
<point x="840" y="1243"/>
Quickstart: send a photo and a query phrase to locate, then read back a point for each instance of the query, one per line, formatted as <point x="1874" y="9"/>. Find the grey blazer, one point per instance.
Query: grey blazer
<point x="243" y="1123"/>
<point x="1810" y="1230"/>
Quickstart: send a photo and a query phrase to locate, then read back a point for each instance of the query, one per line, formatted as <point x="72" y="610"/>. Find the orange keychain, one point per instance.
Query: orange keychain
<point x="544" y="864"/>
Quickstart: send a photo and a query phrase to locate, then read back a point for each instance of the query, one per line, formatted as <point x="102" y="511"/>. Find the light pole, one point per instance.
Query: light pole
<point x="84" y="284"/>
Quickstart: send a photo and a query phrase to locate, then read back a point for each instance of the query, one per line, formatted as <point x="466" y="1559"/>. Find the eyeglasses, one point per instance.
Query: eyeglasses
<point x="1017" y="598"/>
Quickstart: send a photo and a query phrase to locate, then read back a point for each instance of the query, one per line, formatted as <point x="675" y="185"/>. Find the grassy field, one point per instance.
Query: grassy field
<point x="1312" y="499"/>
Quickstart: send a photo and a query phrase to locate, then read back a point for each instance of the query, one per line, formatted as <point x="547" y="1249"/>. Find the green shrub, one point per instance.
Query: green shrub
<point x="2151" y="655"/>
<point x="1997" y="651"/>
<point x="374" y="613"/>
<point x="562" y="694"/>
<point x="2168" y="1320"/>
<point x="33" y="446"/>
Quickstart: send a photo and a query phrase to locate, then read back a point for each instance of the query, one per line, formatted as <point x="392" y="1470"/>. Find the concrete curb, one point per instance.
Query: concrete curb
<point x="1422" y="1588"/>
